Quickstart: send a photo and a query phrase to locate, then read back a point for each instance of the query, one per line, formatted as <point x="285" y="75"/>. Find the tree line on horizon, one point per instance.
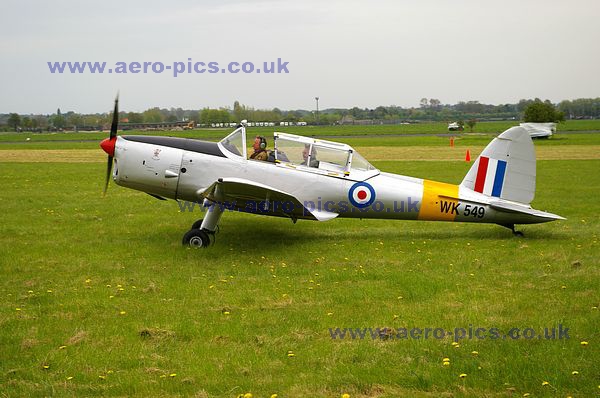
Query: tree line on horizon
<point x="428" y="110"/>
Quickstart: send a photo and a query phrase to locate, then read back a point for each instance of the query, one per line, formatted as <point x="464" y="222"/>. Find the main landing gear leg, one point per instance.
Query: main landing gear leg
<point x="203" y="231"/>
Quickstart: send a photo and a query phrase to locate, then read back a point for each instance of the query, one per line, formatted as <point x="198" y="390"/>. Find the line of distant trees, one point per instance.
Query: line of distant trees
<point x="428" y="110"/>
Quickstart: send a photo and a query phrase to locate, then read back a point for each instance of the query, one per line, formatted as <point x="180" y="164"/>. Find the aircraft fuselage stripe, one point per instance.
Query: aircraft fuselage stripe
<point x="440" y="201"/>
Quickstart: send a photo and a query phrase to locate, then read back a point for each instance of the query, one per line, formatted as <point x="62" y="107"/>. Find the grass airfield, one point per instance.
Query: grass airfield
<point x="100" y="299"/>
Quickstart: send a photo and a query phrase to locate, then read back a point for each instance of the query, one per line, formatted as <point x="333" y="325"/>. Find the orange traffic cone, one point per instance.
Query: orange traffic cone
<point x="468" y="157"/>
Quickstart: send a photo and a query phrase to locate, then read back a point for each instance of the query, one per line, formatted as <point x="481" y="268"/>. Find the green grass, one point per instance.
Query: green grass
<point x="72" y="261"/>
<point x="352" y="135"/>
<point x="317" y="131"/>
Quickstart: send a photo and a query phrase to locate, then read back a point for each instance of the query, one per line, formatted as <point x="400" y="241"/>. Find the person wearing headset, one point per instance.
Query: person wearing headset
<point x="259" y="146"/>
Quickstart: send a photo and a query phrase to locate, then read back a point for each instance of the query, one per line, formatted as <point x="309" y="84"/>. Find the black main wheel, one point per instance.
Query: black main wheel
<point x="196" y="238"/>
<point x="197" y="224"/>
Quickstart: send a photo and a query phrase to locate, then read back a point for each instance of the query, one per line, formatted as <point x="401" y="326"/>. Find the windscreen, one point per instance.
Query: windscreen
<point x="234" y="142"/>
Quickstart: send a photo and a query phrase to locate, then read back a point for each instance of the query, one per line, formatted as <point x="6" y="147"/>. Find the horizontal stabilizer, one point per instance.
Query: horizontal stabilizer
<point x="517" y="208"/>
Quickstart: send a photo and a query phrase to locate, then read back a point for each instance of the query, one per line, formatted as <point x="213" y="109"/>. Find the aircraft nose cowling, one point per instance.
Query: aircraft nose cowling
<point x="108" y="145"/>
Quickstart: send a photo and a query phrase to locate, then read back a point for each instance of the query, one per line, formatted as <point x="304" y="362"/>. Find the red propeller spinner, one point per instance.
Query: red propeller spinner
<point x="108" y="145"/>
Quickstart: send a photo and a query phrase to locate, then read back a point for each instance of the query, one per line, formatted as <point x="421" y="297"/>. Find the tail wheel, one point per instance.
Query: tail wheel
<point x="196" y="238"/>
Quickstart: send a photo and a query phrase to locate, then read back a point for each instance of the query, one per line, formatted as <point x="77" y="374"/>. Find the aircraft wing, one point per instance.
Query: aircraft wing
<point x="243" y="194"/>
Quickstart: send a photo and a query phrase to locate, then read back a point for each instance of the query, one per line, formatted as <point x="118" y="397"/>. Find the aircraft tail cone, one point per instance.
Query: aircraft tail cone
<point x="468" y="156"/>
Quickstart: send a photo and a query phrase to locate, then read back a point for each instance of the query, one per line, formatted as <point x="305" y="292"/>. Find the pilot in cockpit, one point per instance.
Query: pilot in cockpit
<point x="259" y="146"/>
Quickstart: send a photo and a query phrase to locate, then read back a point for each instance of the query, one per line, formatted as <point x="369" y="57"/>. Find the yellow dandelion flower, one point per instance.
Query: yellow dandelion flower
<point x="474" y="353"/>
<point x="248" y="395"/>
<point x="273" y="395"/>
<point x="88" y="280"/>
<point x="545" y="383"/>
<point x="574" y="373"/>
<point x="454" y="343"/>
<point x="49" y="291"/>
<point x="173" y="375"/>
<point x="446" y="363"/>
<point x="30" y="291"/>
<point x="70" y="378"/>
<point x="17" y="309"/>
<point x="46" y="366"/>
<point x="110" y="372"/>
<point x="584" y="343"/>
<point x="226" y="312"/>
<point x="329" y="313"/>
<point x="62" y="347"/>
<point x="526" y="394"/>
<point x="111" y="297"/>
<point x="346" y="395"/>
<point x="122" y="313"/>
<point x="463" y="375"/>
<point x="102" y="377"/>
<point x="446" y="360"/>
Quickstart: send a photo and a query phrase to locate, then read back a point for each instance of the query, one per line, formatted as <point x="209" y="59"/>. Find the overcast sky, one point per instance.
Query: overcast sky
<point x="349" y="53"/>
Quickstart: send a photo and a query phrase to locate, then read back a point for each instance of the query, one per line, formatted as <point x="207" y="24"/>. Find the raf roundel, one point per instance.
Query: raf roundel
<point x="361" y="195"/>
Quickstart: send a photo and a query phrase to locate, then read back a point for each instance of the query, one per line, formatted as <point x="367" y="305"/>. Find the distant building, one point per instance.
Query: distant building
<point x="539" y="130"/>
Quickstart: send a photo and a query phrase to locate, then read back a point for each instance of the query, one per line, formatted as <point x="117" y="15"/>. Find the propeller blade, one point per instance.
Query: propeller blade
<point x="109" y="144"/>
<point x="108" y="172"/>
<point x="115" y="120"/>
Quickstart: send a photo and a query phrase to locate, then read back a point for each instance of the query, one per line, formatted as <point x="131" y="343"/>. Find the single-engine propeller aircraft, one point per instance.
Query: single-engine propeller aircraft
<point x="307" y="178"/>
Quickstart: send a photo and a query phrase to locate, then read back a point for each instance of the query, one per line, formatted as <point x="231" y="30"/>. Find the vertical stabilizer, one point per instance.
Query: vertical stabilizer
<point x="506" y="168"/>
